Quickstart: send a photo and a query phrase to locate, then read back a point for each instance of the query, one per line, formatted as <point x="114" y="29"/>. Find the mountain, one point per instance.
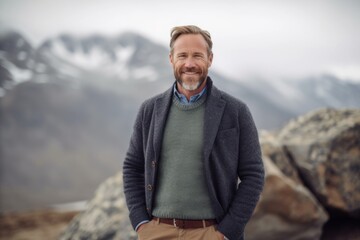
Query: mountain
<point x="132" y="59"/>
<point x="21" y="61"/>
<point x="303" y="95"/>
<point x="67" y="108"/>
<point x="133" y="66"/>
<point x="127" y="56"/>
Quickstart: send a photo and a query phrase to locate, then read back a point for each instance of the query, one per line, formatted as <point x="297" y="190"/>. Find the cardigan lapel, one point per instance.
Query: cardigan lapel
<point x="162" y="106"/>
<point x="214" y="110"/>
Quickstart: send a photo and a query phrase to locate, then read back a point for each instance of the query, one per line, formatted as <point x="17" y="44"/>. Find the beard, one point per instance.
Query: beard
<point x="190" y="82"/>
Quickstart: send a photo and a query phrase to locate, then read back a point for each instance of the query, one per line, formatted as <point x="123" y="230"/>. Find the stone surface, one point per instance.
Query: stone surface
<point x="286" y="210"/>
<point x="325" y="147"/>
<point x="106" y="216"/>
<point x="314" y="159"/>
<point x="272" y="148"/>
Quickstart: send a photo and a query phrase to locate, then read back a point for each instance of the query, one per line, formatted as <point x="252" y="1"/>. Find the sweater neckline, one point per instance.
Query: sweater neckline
<point x="191" y="106"/>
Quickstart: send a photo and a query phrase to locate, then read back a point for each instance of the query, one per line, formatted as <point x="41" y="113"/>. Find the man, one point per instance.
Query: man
<point x="190" y="146"/>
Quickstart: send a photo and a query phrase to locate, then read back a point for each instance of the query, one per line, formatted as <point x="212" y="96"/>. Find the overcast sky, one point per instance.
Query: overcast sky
<point x="268" y="38"/>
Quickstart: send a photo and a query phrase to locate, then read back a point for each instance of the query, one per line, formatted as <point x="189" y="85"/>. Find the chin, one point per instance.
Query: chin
<point x="190" y="87"/>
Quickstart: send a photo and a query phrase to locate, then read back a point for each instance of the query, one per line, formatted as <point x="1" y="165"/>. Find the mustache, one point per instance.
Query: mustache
<point x="190" y="69"/>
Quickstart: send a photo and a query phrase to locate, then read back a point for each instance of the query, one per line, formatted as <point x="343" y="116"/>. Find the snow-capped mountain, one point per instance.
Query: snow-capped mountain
<point x="127" y="57"/>
<point x="67" y="109"/>
<point x="330" y="91"/>
<point x="136" y="67"/>
<point x="18" y="60"/>
<point x="129" y="64"/>
<point x="303" y="95"/>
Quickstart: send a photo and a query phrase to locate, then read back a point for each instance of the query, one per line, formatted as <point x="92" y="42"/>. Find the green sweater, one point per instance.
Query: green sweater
<point x="182" y="191"/>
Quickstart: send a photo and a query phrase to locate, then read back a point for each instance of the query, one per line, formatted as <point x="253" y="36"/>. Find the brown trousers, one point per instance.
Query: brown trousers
<point x="161" y="231"/>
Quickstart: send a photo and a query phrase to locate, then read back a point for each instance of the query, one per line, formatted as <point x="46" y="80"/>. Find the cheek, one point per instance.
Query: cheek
<point x="178" y="65"/>
<point x="207" y="64"/>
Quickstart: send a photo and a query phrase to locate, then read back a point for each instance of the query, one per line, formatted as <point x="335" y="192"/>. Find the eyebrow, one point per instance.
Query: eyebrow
<point x="185" y="53"/>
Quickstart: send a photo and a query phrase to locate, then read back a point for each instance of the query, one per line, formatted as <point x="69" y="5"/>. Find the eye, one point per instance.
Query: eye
<point x="181" y="56"/>
<point x="198" y="56"/>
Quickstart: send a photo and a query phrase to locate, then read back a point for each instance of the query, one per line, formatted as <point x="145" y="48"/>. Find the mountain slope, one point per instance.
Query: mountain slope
<point x="68" y="106"/>
<point x="303" y="95"/>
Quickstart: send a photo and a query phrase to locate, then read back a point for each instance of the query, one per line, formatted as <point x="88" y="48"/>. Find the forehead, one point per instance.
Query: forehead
<point x="190" y="42"/>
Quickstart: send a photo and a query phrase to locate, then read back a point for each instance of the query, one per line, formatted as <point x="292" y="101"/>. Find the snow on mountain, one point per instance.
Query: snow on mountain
<point x="20" y="62"/>
<point x="302" y="95"/>
<point x="134" y="66"/>
<point x="18" y="74"/>
<point x="286" y="89"/>
<point x="110" y="56"/>
<point x="93" y="58"/>
<point x="330" y="91"/>
<point x="145" y="72"/>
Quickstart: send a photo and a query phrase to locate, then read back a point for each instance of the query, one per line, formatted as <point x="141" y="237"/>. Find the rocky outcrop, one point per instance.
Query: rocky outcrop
<point x="286" y="210"/>
<point x="311" y="165"/>
<point x="324" y="145"/>
<point x="272" y="148"/>
<point x="106" y="216"/>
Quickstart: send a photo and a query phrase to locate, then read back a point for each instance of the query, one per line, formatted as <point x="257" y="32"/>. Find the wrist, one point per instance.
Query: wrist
<point x="139" y="224"/>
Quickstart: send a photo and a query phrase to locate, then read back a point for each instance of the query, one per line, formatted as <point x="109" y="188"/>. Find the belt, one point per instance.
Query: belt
<point x="185" y="224"/>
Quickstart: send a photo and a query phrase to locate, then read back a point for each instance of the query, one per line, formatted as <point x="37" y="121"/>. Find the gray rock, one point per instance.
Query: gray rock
<point x="106" y="216"/>
<point x="312" y="160"/>
<point x="325" y="147"/>
<point x="272" y="148"/>
<point x="286" y="210"/>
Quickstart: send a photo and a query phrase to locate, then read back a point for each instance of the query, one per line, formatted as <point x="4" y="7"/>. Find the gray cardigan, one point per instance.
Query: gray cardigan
<point x="231" y="152"/>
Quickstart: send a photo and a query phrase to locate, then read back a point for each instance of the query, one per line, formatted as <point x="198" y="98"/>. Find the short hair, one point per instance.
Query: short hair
<point x="189" y="29"/>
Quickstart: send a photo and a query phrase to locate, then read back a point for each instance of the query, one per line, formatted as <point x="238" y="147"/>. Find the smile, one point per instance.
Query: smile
<point x="190" y="73"/>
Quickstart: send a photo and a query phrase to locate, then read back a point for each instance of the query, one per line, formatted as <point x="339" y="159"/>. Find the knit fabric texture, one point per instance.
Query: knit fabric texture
<point x="181" y="172"/>
<point x="231" y="151"/>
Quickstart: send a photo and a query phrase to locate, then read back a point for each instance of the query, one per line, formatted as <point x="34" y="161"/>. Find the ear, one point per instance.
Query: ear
<point x="171" y="58"/>
<point x="210" y="59"/>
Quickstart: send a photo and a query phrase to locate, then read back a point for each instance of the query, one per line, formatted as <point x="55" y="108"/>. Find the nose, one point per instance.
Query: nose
<point x="189" y="63"/>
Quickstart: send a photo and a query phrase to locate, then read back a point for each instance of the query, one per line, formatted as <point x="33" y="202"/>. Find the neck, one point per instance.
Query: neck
<point x="188" y="93"/>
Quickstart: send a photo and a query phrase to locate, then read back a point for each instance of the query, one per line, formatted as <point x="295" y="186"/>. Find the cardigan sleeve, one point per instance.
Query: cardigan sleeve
<point x="133" y="174"/>
<point x="251" y="173"/>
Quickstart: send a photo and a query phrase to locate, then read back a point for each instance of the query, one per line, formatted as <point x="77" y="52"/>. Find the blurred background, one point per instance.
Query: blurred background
<point x="73" y="74"/>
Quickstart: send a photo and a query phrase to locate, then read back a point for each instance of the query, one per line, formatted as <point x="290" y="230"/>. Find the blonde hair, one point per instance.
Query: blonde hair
<point x="189" y="29"/>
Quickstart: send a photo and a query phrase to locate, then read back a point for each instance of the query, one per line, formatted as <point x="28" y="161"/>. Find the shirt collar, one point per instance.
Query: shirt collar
<point x="192" y="99"/>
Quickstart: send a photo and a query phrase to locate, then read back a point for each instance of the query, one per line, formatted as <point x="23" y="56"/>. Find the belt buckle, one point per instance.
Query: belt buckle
<point x="181" y="223"/>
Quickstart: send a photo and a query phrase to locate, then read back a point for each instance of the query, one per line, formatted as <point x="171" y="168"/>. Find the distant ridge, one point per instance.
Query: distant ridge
<point x="68" y="106"/>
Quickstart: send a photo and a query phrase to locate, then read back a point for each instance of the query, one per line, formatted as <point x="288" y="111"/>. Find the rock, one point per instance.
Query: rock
<point x="106" y="216"/>
<point x="325" y="147"/>
<point x="312" y="160"/>
<point x="272" y="148"/>
<point x="286" y="210"/>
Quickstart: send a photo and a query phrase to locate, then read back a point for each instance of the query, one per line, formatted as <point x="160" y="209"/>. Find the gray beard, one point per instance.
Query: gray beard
<point x="191" y="87"/>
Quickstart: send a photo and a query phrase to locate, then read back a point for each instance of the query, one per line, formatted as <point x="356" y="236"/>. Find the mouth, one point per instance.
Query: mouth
<point x="190" y="73"/>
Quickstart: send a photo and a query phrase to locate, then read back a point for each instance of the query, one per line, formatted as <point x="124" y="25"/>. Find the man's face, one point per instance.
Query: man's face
<point x="190" y="61"/>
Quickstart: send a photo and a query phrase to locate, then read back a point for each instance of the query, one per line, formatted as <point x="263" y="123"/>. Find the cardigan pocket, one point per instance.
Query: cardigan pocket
<point x="224" y="159"/>
<point x="226" y="149"/>
<point x="226" y="132"/>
